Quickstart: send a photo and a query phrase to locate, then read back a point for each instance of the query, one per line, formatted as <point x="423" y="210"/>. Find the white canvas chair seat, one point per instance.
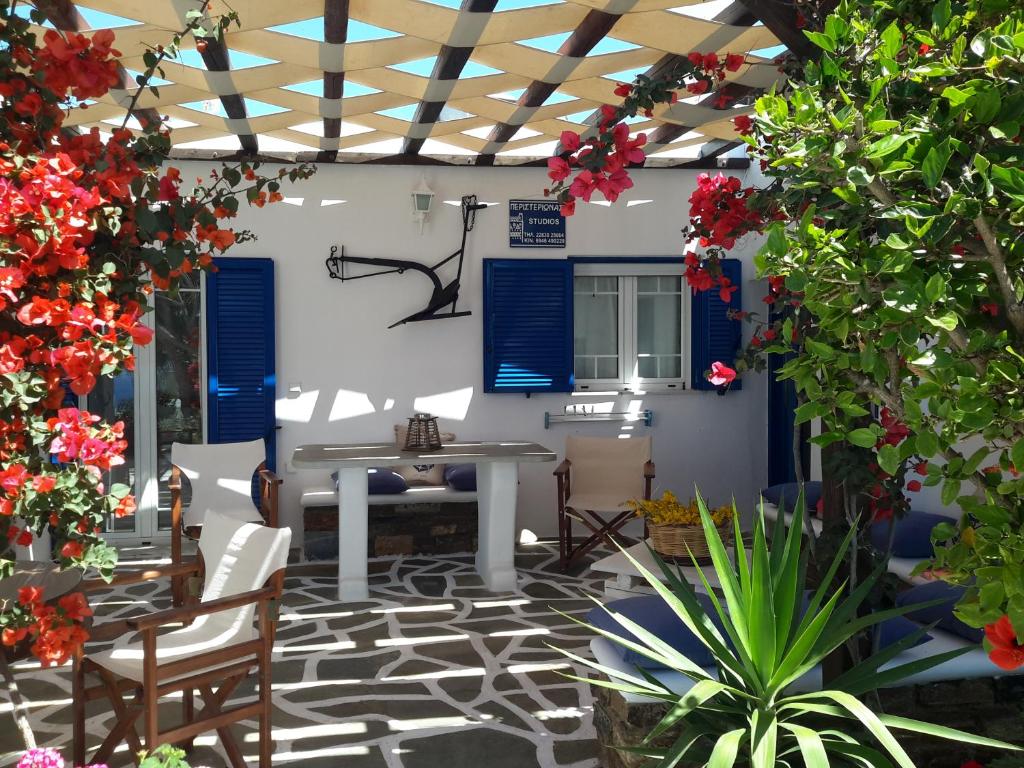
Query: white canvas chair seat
<point x="596" y="480"/>
<point x="220" y="475"/>
<point x="598" y="502"/>
<point x="201" y="636"/>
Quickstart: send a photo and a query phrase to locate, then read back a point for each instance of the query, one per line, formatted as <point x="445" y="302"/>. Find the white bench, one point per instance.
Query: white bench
<point x="422" y="494"/>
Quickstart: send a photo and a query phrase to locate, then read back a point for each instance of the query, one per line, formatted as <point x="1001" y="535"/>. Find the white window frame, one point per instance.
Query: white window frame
<point x="629" y="379"/>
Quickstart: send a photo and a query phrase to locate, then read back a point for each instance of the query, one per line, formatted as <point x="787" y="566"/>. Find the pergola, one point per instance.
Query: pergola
<point x="430" y="81"/>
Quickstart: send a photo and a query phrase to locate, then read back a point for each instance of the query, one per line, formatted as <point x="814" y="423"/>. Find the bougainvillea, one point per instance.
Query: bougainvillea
<point x="89" y="226"/>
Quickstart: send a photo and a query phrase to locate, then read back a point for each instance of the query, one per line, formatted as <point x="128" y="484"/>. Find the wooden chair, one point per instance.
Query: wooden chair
<point x="220" y="476"/>
<point x="599" y="475"/>
<point x="215" y="650"/>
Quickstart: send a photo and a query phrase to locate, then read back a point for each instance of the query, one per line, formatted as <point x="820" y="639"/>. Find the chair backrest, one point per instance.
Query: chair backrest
<point x="239" y="557"/>
<point x="221" y="478"/>
<point x="608" y="465"/>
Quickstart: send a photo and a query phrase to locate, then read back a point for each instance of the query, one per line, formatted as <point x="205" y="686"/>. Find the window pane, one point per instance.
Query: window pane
<point x="114" y="400"/>
<point x="596" y="327"/>
<point x="178" y="399"/>
<point x="647" y="284"/>
<point x="658" y="321"/>
<point x="659" y="327"/>
<point x="607" y="368"/>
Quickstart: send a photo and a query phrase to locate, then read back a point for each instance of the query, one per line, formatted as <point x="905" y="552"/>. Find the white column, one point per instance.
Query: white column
<point x="352" y="533"/>
<point x="496" y="487"/>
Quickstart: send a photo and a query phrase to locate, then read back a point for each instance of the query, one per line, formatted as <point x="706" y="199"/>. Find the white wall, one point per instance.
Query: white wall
<point x="358" y="378"/>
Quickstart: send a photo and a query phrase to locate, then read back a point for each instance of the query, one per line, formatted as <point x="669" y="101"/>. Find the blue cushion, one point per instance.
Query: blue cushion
<point x="461" y="477"/>
<point x="380" y="480"/>
<point x="895" y="629"/>
<point x="942" y="613"/>
<point x="913" y="534"/>
<point x="653" y="614"/>
<point x="784" y="495"/>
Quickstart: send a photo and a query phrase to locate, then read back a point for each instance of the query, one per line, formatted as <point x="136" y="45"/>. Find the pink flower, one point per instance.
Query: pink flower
<point x="41" y="757"/>
<point x="558" y="168"/>
<point x="721" y="374"/>
<point x="570" y="141"/>
<point x="584" y="185"/>
<point x="568" y="207"/>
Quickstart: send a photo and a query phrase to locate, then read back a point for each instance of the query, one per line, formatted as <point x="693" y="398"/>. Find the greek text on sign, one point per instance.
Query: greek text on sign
<point x="535" y="224"/>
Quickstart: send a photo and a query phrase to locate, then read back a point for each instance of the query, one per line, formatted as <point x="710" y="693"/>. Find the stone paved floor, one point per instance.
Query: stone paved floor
<point x="434" y="672"/>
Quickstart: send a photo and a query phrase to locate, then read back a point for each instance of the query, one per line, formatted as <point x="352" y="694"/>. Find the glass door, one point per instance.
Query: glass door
<point x="160" y="403"/>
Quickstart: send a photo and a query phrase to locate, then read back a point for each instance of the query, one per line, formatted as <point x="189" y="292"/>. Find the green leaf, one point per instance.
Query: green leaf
<point x="1017" y="454"/>
<point x="887" y="145"/>
<point x="950" y="490"/>
<point x="809" y="742"/>
<point x="935" y="288"/>
<point x="927" y="444"/>
<point x="727" y="748"/>
<point x="889" y="459"/>
<point x="821" y="40"/>
<point x="859" y="176"/>
<point x="935" y="163"/>
<point x="862" y="438"/>
<point x="948" y="321"/>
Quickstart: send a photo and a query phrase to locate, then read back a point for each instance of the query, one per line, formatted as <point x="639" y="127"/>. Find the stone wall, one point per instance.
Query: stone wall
<point x="991" y="707"/>
<point x="397" y="529"/>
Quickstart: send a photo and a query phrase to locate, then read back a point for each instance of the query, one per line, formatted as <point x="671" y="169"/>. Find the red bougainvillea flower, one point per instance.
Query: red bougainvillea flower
<point x="699" y="87"/>
<point x="558" y="168"/>
<point x="623" y="89"/>
<point x="570" y="141"/>
<point x="744" y="125"/>
<point x="914" y="486"/>
<point x="733" y="61"/>
<point x="568" y="207"/>
<point x="923" y="49"/>
<point x="1004" y="650"/>
<point x="721" y="374"/>
<point x="990" y="309"/>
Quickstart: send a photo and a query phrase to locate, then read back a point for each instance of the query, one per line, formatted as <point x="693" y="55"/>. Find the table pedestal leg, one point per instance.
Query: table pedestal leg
<point x="496" y="485"/>
<point x="352" y="533"/>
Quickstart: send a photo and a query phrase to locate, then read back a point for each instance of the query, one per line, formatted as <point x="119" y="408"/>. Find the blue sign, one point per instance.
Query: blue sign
<point x="535" y="224"/>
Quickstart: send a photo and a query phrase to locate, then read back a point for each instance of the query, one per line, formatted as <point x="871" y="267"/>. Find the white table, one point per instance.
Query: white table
<point x="497" y="474"/>
<point x="624" y="580"/>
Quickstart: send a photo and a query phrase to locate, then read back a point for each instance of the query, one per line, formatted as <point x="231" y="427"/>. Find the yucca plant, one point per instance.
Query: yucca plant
<point x="744" y="714"/>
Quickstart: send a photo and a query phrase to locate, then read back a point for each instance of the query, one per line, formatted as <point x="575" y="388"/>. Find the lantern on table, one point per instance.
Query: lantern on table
<point x="422" y="433"/>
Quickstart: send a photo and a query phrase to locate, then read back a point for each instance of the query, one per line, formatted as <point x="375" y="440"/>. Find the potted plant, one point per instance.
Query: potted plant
<point x="674" y="529"/>
<point x="765" y="630"/>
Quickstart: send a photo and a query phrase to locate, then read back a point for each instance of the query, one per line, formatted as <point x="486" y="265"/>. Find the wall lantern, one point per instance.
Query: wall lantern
<point x="422" y="198"/>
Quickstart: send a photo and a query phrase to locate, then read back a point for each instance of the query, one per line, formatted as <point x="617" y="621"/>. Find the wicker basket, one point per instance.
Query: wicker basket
<point x="675" y="543"/>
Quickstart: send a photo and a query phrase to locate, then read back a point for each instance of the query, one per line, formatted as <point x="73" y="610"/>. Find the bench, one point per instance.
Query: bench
<point x="427" y="520"/>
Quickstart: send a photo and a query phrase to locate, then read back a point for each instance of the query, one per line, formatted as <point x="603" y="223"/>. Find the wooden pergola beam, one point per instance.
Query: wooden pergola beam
<point x="335" y="32"/>
<point x="593" y="28"/>
<point x="781" y="16"/>
<point x="217" y="59"/>
<point x="447" y="68"/>
<point x="65" y="16"/>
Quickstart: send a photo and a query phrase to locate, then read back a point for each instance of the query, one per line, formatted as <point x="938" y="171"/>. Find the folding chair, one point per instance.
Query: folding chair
<point x="213" y="652"/>
<point x="597" y="478"/>
<point x="221" y="478"/>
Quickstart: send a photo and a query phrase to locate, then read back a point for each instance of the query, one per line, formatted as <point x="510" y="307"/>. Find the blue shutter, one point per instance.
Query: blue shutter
<point x="241" y="384"/>
<point x="714" y="336"/>
<point x="527" y="325"/>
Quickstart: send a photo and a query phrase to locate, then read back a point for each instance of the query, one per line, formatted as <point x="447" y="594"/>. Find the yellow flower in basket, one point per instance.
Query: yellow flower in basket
<point x="669" y="511"/>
